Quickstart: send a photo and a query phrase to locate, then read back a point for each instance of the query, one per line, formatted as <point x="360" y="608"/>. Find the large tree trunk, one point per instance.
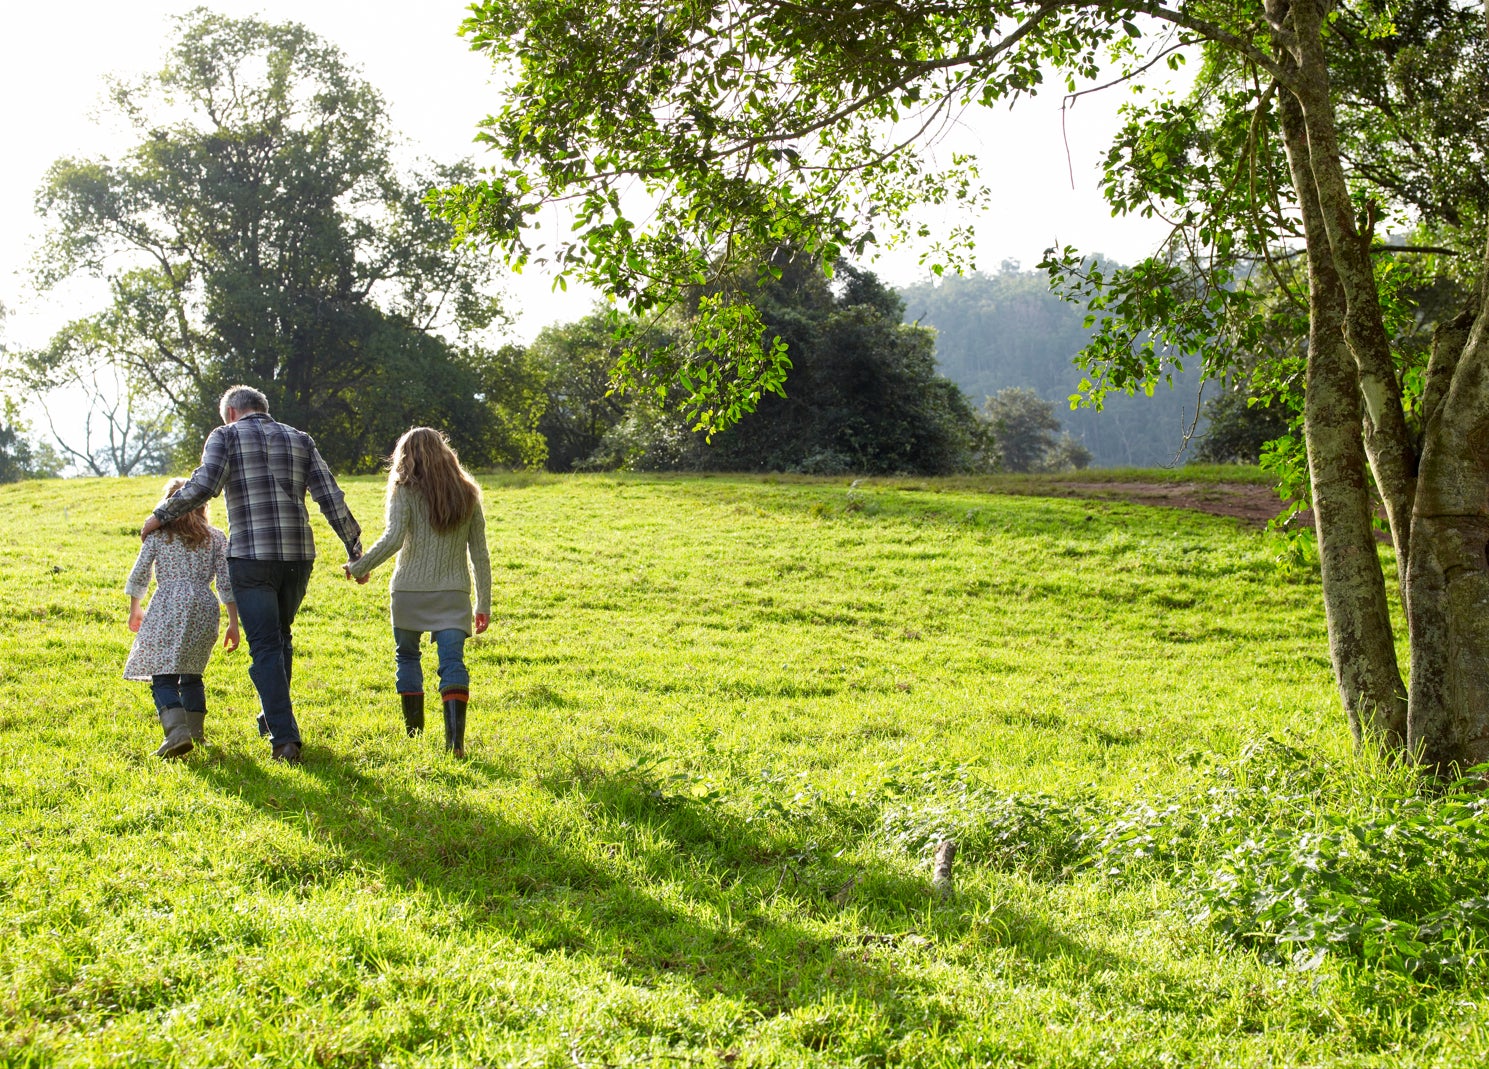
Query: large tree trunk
<point x="1361" y="646"/>
<point x="1448" y="573"/>
<point x="1438" y="506"/>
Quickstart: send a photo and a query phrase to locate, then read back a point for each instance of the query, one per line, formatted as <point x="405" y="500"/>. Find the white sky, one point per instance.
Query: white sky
<point x="53" y="63"/>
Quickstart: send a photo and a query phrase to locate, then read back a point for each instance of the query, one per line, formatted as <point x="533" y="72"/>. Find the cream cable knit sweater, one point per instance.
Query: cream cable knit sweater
<point x="428" y="559"/>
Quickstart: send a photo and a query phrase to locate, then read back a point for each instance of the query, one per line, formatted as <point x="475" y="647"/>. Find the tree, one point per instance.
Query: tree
<point x="1008" y="330"/>
<point x="1239" y="425"/>
<point x="258" y="231"/>
<point x="137" y="431"/>
<point x="24" y="459"/>
<point x="15" y="455"/>
<point x="19" y="457"/>
<point x="864" y="394"/>
<point x="1321" y="123"/>
<point x="136" y="435"/>
<point x="1024" y="431"/>
<point x="756" y="122"/>
<point x="577" y="362"/>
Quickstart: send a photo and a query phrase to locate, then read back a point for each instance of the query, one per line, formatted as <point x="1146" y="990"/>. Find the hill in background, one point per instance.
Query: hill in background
<point x="1008" y="329"/>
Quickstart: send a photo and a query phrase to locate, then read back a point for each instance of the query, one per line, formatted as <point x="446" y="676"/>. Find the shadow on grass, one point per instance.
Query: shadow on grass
<point x="658" y="889"/>
<point x="1066" y="505"/>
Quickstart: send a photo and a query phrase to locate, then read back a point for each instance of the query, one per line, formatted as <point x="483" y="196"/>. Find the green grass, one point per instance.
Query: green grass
<point x="701" y="709"/>
<point x="1005" y="482"/>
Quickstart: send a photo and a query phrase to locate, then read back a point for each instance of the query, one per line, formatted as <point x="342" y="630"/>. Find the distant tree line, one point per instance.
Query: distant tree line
<point x="1008" y="330"/>
<point x="869" y="393"/>
<point x="864" y="396"/>
<point x="258" y="231"/>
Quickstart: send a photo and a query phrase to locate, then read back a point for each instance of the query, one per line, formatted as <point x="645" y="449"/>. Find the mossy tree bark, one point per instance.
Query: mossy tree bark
<point x="1448" y="573"/>
<point x="1361" y="646"/>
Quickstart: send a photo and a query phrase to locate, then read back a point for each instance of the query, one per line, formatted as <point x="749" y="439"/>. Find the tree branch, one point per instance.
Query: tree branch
<point x="1213" y="32"/>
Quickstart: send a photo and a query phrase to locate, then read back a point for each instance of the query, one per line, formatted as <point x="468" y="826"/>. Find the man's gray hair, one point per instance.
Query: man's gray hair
<point x="244" y="399"/>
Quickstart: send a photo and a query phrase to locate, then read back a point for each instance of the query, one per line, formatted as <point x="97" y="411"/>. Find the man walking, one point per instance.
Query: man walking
<point x="266" y="469"/>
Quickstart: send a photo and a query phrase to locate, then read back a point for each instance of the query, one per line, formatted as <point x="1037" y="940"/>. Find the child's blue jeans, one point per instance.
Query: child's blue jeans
<point x="410" y="673"/>
<point x="183" y="690"/>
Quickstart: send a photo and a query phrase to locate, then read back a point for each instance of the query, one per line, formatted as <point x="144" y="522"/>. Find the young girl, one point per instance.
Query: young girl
<point x="435" y="525"/>
<point x="173" y="640"/>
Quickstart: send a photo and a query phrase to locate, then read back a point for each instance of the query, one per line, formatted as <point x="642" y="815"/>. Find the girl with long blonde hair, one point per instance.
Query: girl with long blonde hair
<point x="434" y="523"/>
<point x="173" y="638"/>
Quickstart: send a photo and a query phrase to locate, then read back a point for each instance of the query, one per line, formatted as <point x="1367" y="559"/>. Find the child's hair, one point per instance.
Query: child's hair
<point x="192" y="527"/>
<point x="424" y="462"/>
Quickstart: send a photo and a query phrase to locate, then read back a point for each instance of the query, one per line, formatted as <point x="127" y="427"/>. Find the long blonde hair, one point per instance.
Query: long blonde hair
<point x="193" y="528"/>
<point x="424" y="462"/>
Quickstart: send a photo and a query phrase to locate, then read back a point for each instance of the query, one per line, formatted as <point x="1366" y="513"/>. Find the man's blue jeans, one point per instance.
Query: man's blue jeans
<point x="410" y="673"/>
<point x="268" y="593"/>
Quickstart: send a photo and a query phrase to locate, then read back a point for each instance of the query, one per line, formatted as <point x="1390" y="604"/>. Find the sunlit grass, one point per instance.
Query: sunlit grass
<point x="696" y="703"/>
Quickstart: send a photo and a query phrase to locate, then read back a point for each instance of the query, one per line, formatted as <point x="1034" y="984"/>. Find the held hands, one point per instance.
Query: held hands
<point x="346" y="570"/>
<point x="483" y="621"/>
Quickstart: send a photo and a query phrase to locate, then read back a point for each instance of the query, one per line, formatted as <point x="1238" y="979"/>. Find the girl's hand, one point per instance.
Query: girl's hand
<point x="483" y="620"/>
<point x="230" y="637"/>
<point x="136" y="617"/>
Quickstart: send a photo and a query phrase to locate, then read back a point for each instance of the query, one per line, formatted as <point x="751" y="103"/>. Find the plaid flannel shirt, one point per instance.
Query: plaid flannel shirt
<point x="266" y="468"/>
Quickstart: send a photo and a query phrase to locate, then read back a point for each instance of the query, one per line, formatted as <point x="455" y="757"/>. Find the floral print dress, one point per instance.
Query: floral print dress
<point x="180" y="625"/>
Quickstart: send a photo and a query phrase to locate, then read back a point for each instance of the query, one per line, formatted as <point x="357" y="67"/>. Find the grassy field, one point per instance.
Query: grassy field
<point x="716" y="726"/>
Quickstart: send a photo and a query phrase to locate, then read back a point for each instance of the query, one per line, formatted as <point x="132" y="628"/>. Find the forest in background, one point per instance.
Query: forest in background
<point x="996" y="331"/>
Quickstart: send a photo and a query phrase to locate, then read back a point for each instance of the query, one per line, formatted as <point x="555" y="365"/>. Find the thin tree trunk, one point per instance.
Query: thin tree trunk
<point x="1393" y="459"/>
<point x="1448" y="574"/>
<point x="1360" y="642"/>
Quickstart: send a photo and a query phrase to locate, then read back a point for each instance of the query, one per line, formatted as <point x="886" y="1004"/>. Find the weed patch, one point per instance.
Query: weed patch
<point x="1280" y="852"/>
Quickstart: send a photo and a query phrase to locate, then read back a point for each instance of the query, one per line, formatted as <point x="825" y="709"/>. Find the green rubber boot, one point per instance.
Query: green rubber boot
<point x="455" y="726"/>
<point x="413" y="713"/>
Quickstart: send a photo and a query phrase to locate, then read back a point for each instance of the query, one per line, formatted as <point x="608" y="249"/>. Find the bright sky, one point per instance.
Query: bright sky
<point x="52" y="71"/>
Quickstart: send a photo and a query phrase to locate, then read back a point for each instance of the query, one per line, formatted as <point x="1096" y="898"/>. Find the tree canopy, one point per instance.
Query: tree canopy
<point x="1023" y="427"/>
<point x="864" y="395"/>
<point x="260" y="231"/>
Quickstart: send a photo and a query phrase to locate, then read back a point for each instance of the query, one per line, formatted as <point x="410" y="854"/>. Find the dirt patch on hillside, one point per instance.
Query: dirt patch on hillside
<point x="1253" y="505"/>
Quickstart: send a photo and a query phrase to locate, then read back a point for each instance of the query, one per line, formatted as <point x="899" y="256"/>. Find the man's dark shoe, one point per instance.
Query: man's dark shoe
<point x="288" y="752"/>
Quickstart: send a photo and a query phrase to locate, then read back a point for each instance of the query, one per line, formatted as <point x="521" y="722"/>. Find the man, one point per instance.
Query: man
<point x="266" y="469"/>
